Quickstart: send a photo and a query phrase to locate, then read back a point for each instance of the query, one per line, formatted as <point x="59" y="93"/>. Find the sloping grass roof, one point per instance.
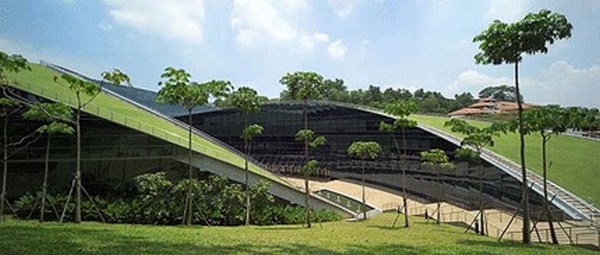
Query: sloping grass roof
<point x="575" y="162"/>
<point x="40" y="81"/>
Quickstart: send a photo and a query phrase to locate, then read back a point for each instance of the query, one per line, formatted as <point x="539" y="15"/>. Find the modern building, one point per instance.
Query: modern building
<point x="126" y="133"/>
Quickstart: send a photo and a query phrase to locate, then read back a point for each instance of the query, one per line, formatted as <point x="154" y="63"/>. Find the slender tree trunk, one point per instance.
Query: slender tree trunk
<point x="524" y="188"/>
<point x="4" y="168"/>
<point x="364" y="199"/>
<point x="188" y="203"/>
<point x="403" y="160"/>
<point x="78" y="167"/>
<point x="247" y="150"/>
<point x="439" y="198"/>
<point x="45" y="180"/>
<point x="546" y="205"/>
<point x="481" y="211"/>
<point x="306" y="185"/>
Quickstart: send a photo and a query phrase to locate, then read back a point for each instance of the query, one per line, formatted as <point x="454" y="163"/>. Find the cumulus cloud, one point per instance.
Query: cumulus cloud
<point x="560" y="83"/>
<point x="182" y="20"/>
<point x="255" y="20"/>
<point x="294" y="4"/>
<point x="507" y="10"/>
<point x="342" y="8"/>
<point x="337" y="49"/>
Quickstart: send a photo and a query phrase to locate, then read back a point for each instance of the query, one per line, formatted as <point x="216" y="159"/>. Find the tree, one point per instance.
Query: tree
<point x="311" y="141"/>
<point x="56" y="116"/>
<point x="177" y="88"/>
<point x="436" y="158"/>
<point x="304" y="86"/>
<point x="8" y="107"/>
<point x="85" y="93"/>
<point x="477" y="139"/>
<point x="506" y="43"/>
<point x="401" y="109"/>
<point x="365" y="150"/>
<point x="248" y="102"/>
<point x="463" y="100"/>
<point x="548" y="121"/>
<point x="500" y="92"/>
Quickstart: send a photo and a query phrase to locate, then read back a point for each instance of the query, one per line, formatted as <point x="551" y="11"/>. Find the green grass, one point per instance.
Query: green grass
<point x="575" y="161"/>
<point x="40" y="81"/>
<point x="369" y="237"/>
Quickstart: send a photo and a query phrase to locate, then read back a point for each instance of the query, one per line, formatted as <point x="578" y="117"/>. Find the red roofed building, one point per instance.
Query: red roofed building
<point x="488" y="106"/>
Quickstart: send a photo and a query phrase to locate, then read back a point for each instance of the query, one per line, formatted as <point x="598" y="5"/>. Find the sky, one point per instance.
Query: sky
<point x="400" y="44"/>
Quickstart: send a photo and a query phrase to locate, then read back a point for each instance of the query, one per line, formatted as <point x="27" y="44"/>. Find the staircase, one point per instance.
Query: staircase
<point x="571" y="204"/>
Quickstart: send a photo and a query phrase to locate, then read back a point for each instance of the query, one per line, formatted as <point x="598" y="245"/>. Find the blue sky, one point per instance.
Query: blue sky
<point x="408" y="44"/>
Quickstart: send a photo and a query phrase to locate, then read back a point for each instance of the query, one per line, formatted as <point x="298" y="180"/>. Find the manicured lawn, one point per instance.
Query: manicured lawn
<point x="370" y="237"/>
<point x="575" y="161"/>
<point x="40" y="81"/>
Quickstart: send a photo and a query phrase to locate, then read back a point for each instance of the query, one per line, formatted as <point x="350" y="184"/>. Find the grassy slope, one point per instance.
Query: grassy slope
<point x="370" y="237"/>
<point x="575" y="161"/>
<point x="40" y="81"/>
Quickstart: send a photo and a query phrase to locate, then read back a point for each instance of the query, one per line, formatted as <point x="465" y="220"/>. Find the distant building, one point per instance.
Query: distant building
<point x="487" y="106"/>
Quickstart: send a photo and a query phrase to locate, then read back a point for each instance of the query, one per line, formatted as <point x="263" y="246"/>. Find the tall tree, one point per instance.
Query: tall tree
<point x="58" y="117"/>
<point x="476" y="138"/>
<point x="439" y="161"/>
<point x="304" y="86"/>
<point x="365" y="150"/>
<point x="177" y="88"/>
<point x="248" y="102"/>
<point x="506" y="43"/>
<point x="402" y="110"/>
<point x="85" y="93"/>
<point x="500" y="92"/>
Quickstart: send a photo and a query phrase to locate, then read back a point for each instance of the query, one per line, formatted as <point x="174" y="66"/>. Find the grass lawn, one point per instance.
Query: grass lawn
<point x="369" y="237"/>
<point x="575" y="161"/>
<point x="40" y="81"/>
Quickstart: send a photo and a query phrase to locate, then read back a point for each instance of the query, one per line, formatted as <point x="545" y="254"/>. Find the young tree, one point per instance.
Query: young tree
<point x="8" y="107"/>
<point x="57" y="116"/>
<point x="308" y="138"/>
<point x="247" y="135"/>
<point x="506" y="43"/>
<point x="402" y="110"/>
<point x="177" y="88"/>
<point x="248" y="102"/>
<point x="85" y="93"/>
<point x="548" y="121"/>
<point x="304" y="86"/>
<point x="365" y="150"/>
<point x="436" y="158"/>
<point x="477" y="139"/>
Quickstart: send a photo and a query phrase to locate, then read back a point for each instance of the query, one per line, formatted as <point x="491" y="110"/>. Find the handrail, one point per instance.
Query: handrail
<point x="161" y="115"/>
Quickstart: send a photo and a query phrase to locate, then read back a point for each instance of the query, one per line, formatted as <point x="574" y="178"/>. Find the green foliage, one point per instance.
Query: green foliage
<point x="246" y="100"/>
<point x="437" y="158"/>
<point x="309" y="136"/>
<point x="11" y="63"/>
<point x="116" y="77"/>
<point x="251" y="131"/>
<point x="505" y="43"/>
<point x="79" y="86"/>
<point x="364" y="150"/>
<point x="58" y="115"/>
<point x="311" y="166"/>
<point x="303" y="85"/>
<point x="501" y="92"/>
<point x="475" y="136"/>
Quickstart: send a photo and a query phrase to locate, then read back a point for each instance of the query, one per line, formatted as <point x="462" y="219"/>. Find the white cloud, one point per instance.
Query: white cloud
<point x="105" y="26"/>
<point x="256" y="20"/>
<point x="560" y="83"/>
<point x="182" y="20"/>
<point x="337" y="49"/>
<point x="294" y="4"/>
<point x="342" y="8"/>
<point x="321" y="37"/>
<point x="507" y="10"/>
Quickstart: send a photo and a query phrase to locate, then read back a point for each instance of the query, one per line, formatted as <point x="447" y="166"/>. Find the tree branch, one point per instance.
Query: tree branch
<point x="29" y="104"/>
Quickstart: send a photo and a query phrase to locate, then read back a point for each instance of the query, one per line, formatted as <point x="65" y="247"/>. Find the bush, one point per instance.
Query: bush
<point x="156" y="200"/>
